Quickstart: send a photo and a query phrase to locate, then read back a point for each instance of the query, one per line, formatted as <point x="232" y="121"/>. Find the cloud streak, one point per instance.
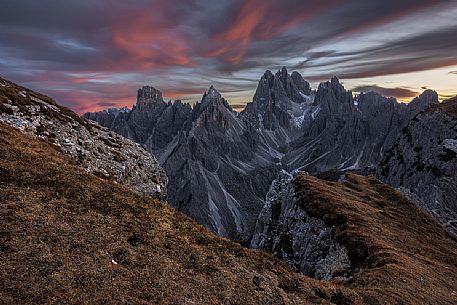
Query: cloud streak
<point x="90" y="54"/>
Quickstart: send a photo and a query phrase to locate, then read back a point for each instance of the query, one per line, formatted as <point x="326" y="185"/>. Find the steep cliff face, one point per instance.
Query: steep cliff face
<point x="208" y="149"/>
<point x="347" y="134"/>
<point x="219" y="169"/>
<point x="285" y="229"/>
<point x="355" y="230"/>
<point x="99" y="150"/>
<point x="423" y="161"/>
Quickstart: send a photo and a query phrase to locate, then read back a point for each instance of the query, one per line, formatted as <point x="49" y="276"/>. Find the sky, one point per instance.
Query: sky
<point x="95" y="54"/>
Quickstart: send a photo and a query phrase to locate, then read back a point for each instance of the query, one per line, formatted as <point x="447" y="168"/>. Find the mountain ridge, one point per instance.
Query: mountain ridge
<point x="286" y="126"/>
<point x="78" y="236"/>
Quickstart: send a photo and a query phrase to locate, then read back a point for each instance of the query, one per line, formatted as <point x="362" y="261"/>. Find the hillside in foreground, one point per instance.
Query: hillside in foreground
<point x="68" y="235"/>
<point x="399" y="254"/>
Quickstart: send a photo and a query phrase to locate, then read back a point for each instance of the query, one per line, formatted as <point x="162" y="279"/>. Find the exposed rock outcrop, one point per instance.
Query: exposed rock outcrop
<point x="285" y="229"/>
<point x="423" y="160"/>
<point x="99" y="150"/>
<point x="218" y="165"/>
<point x="219" y="169"/>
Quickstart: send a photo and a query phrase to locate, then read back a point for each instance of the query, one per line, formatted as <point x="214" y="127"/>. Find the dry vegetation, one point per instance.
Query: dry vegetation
<point x="70" y="237"/>
<point x="12" y="92"/>
<point x="399" y="253"/>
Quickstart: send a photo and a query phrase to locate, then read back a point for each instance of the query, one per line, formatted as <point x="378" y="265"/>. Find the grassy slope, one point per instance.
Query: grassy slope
<point x="401" y="254"/>
<point x="60" y="229"/>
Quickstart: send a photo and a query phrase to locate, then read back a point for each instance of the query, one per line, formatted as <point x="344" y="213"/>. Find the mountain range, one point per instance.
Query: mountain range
<point x="221" y="164"/>
<point x="84" y="212"/>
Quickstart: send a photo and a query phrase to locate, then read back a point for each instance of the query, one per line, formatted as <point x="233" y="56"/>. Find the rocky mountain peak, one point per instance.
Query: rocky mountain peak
<point x="333" y="98"/>
<point x="282" y="87"/>
<point x="279" y="101"/>
<point x="335" y="81"/>
<point x="212" y="97"/>
<point x="213" y="93"/>
<point x="427" y="99"/>
<point x="212" y="108"/>
<point x="283" y="74"/>
<point x="301" y="83"/>
<point x="148" y="94"/>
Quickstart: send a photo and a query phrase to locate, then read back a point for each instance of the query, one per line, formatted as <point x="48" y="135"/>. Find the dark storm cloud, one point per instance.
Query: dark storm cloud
<point x="401" y="93"/>
<point x="93" y="53"/>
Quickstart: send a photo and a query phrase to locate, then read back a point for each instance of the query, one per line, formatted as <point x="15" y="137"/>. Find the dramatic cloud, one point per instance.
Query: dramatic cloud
<point x="402" y="93"/>
<point x="93" y="54"/>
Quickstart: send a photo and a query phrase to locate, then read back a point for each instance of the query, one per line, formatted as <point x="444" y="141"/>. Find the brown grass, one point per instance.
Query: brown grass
<point x="400" y="254"/>
<point x="60" y="229"/>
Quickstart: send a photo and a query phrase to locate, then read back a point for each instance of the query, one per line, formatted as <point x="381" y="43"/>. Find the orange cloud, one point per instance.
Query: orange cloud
<point x="260" y="20"/>
<point x="239" y="36"/>
<point x="177" y="94"/>
<point x="151" y="40"/>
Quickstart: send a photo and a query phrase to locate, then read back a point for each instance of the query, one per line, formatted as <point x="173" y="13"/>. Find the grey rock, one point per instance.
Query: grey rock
<point x="347" y="134"/>
<point x="287" y="231"/>
<point x="218" y="166"/>
<point x="423" y="162"/>
<point x="214" y="157"/>
<point x="97" y="149"/>
<point x="219" y="169"/>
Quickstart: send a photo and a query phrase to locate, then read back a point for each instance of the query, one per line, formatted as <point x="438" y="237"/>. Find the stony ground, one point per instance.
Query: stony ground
<point x="99" y="150"/>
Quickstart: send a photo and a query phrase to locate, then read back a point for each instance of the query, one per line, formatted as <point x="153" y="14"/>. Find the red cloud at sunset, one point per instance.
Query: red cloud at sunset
<point x="237" y="38"/>
<point x="260" y="20"/>
<point x="90" y="53"/>
<point x="151" y="40"/>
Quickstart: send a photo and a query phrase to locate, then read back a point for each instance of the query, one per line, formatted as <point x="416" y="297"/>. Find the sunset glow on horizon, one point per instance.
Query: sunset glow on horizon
<point x="90" y="55"/>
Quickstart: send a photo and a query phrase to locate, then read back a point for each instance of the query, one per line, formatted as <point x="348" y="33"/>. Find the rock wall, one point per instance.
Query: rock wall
<point x="304" y="242"/>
